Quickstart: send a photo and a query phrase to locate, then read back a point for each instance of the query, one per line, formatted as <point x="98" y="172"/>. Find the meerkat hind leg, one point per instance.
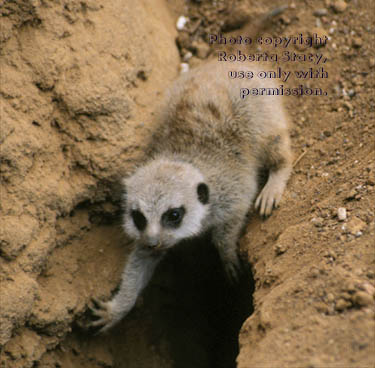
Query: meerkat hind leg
<point x="272" y="192"/>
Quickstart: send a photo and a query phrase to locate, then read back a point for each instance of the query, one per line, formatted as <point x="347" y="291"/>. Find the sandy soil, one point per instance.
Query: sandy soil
<point x="79" y="83"/>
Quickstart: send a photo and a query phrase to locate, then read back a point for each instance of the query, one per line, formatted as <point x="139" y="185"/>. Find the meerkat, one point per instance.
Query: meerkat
<point x="202" y="175"/>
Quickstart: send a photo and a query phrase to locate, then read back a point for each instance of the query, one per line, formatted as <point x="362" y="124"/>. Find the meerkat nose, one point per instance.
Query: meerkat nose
<point x="153" y="242"/>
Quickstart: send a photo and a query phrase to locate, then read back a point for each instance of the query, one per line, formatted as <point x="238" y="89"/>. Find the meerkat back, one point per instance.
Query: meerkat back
<point x="205" y="106"/>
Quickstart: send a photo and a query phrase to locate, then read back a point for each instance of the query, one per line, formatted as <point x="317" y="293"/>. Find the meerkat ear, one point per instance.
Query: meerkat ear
<point x="203" y="193"/>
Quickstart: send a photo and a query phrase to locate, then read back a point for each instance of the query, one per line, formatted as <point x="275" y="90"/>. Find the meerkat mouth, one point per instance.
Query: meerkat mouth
<point x="158" y="247"/>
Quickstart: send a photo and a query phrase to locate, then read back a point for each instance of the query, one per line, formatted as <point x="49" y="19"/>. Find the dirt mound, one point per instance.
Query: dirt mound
<point x="79" y="83"/>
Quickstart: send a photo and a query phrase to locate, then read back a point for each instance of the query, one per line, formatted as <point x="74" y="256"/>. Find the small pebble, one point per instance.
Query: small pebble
<point x="363" y="299"/>
<point x="320" y="12"/>
<point x="187" y="56"/>
<point x="184" y="67"/>
<point x="357" y="42"/>
<point x="351" y="194"/>
<point x="342" y="304"/>
<point x="280" y="249"/>
<point x="181" y="22"/>
<point x="339" y="172"/>
<point x="339" y="6"/>
<point x="341" y="213"/>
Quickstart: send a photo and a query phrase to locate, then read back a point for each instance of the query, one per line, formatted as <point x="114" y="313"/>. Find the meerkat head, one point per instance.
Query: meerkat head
<point x="165" y="201"/>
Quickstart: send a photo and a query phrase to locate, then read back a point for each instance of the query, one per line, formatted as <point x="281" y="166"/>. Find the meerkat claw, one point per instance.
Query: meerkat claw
<point x="233" y="272"/>
<point x="101" y="311"/>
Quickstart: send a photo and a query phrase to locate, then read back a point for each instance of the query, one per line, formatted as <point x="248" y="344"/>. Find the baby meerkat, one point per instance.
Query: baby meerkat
<point x="202" y="174"/>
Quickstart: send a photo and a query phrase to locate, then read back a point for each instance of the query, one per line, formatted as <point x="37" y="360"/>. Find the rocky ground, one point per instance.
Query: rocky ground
<point x="79" y="83"/>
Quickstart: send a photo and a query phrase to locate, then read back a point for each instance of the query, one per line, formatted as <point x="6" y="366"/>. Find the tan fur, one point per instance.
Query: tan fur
<point x="208" y="134"/>
<point x="207" y="123"/>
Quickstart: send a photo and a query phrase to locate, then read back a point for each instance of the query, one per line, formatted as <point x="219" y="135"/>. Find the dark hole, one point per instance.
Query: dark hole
<point x="142" y="75"/>
<point x="193" y="308"/>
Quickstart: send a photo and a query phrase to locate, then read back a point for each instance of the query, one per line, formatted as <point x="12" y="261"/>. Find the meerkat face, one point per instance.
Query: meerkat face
<point x="165" y="202"/>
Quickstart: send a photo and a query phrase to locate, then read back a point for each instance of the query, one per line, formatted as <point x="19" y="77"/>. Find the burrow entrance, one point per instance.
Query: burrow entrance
<point x="189" y="313"/>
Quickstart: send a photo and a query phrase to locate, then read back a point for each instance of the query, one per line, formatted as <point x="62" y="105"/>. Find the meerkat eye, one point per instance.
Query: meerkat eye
<point x="139" y="219"/>
<point x="173" y="217"/>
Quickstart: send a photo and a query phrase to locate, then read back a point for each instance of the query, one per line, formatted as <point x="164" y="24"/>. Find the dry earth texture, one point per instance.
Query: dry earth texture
<point x="79" y="83"/>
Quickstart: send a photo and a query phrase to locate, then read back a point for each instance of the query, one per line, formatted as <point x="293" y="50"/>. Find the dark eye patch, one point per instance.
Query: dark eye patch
<point x="203" y="193"/>
<point x="173" y="217"/>
<point x="139" y="219"/>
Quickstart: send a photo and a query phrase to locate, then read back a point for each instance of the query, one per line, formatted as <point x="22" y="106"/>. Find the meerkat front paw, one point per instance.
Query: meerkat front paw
<point x="103" y="311"/>
<point x="270" y="196"/>
<point x="268" y="199"/>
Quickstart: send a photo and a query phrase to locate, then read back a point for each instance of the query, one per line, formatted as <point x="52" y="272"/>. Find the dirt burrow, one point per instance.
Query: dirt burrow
<point x="79" y="83"/>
